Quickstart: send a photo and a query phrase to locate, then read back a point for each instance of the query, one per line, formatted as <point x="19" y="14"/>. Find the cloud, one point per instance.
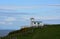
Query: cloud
<point x="54" y="5"/>
<point x="14" y="7"/>
<point x="5" y="20"/>
<point x="9" y="19"/>
<point x="2" y="22"/>
<point x="11" y="8"/>
<point x="6" y="23"/>
<point x="27" y="17"/>
<point x="50" y="17"/>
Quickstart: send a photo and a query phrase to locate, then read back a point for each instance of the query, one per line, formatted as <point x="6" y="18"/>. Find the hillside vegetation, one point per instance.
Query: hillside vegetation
<point x="46" y="32"/>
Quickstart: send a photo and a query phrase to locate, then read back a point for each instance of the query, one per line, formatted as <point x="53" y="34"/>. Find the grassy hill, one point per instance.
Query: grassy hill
<point x="47" y="32"/>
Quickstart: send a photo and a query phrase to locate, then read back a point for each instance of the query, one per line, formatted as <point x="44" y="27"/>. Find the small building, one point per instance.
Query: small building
<point x="36" y="23"/>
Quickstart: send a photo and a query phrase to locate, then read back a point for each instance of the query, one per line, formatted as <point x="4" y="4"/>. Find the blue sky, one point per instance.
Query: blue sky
<point x="17" y="13"/>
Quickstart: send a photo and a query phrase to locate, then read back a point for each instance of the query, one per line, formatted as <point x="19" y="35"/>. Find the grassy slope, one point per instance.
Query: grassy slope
<point x="49" y="32"/>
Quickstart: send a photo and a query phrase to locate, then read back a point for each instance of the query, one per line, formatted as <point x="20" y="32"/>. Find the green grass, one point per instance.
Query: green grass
<point x="47" y="32"/>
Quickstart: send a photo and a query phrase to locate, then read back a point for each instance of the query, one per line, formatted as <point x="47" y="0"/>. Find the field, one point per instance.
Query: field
<point x="46" y="32"/>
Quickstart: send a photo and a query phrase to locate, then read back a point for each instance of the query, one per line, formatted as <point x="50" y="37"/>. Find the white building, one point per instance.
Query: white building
<point x="36" y="23"/>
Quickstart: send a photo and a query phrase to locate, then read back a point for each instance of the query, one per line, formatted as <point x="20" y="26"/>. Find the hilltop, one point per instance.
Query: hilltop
<point x="46" y="32"/>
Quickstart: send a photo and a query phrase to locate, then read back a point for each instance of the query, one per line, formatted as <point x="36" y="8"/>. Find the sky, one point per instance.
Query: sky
<point x="17" y="13"/>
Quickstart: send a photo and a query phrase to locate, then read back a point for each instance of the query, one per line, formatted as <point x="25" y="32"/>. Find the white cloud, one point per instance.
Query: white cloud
<point x="6" y="23"/>
<point x="14" y="7"/>
<point x="54" y="5"/>
<point x="50" y="17"/>
<point x="27" y="7"/>
<point x="9" y="19"/>
<point x="9" y="23"/>
<point x="2" y="22"/>
<point x="27" y="17"/>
